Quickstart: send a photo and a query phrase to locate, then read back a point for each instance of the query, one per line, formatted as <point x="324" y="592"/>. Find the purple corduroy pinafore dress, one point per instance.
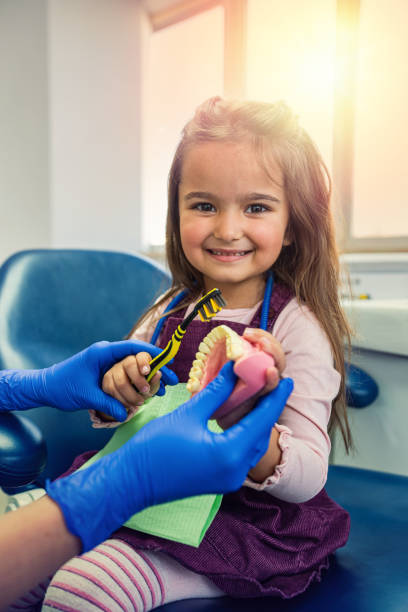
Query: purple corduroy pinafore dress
<point x="257" y="545"/>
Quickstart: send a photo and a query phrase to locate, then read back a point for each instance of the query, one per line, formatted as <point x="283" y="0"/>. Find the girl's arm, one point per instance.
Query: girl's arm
<point x="271" y="345"/>
<point x="295" y="465"/>
<point x="269" y="461"/>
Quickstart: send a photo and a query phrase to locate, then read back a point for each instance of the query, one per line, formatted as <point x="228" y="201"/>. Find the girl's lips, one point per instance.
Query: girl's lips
<point x="227" y="255"/>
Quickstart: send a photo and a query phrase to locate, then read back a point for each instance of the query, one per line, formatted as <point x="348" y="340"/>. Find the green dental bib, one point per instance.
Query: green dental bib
<point x="185" y="520"/>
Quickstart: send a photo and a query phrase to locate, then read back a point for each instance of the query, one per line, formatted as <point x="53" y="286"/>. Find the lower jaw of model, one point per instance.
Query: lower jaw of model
<point x="223" y="344"/>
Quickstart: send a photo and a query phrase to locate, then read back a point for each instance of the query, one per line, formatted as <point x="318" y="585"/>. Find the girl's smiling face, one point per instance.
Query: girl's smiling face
<point x="233" y="218"/>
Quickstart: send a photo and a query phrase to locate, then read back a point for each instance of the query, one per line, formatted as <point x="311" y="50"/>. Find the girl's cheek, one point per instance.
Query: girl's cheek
<point x="193" y="232"/>
<point x="188" y="238"/>
<point x="185" y="232"/>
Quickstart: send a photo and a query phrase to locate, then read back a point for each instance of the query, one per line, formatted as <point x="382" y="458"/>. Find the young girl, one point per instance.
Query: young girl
<point x="248" y="213"/>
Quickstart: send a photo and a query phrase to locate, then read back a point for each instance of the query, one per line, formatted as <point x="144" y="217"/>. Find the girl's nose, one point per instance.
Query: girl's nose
<point x="228" y="227"/>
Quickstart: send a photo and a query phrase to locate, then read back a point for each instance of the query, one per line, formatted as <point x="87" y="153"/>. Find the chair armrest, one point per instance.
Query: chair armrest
<point x="23" y="452"/>
<point x="361" y="388"/>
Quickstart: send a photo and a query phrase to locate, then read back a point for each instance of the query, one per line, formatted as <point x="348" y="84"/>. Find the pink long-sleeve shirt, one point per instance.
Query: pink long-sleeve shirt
<point x="302" y="426"/>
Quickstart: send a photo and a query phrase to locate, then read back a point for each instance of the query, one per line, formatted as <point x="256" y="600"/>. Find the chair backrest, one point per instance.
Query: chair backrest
<point x="53" y="303"/>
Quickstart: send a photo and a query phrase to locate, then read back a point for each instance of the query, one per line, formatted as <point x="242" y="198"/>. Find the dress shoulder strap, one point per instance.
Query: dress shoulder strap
<point x="172" y="304"/>
<point x="281" y="296"/>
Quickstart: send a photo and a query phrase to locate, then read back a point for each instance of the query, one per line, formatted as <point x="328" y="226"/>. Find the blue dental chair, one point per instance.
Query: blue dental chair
<point x="53" y="303"/>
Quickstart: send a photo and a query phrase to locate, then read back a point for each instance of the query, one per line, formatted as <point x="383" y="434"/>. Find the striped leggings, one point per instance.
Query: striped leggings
<point x="115" y="577"/>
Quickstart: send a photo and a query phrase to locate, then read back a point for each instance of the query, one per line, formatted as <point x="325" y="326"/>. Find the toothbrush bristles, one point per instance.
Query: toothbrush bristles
<point x="213" y="306"/>
<point x="210" y="304"/>
<point x="203" y="316"/>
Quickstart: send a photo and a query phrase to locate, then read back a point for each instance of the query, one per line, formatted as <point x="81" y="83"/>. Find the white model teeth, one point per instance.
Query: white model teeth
<point x="234" y="348"/>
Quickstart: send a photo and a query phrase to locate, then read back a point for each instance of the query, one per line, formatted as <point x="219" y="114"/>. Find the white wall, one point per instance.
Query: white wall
<point x="379" y="430"/>
<point x="70" y="74"/>
<point x="94" y="89"/>
<point x="24" y="179"/>
<point x="174" y="83"/>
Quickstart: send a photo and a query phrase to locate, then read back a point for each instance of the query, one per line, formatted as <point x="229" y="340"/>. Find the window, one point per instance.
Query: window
<point x="340" y="64"/>
<point x="291" y="56"/>
<point x="371" y="127"/>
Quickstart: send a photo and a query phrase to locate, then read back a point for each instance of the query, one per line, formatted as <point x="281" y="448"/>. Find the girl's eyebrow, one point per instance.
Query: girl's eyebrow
<point x="261" y="196"/>
<point x="206" y="195"/>
<point x="198" y="194"/>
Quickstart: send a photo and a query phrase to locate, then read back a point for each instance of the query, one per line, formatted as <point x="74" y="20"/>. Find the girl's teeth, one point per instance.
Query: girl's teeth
<point x="231" y="253"/>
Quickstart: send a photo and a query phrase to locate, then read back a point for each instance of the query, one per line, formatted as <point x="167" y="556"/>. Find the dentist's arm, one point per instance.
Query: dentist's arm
<point x="74" y="384"/>
<point x="173" y="457"/>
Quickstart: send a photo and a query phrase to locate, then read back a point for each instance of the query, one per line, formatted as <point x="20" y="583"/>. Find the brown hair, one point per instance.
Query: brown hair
<point x="309" y="265"/>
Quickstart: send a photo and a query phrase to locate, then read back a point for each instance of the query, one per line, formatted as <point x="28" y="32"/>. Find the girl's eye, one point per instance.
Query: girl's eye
<point x="204" y="207"/>
<point x="256" y="208"/>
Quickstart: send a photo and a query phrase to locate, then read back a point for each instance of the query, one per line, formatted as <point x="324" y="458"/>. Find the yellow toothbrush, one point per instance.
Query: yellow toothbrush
<point x="206" y="308"/>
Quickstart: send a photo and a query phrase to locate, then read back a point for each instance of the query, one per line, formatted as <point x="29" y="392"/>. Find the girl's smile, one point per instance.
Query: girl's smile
<point x="233" y="218"/>
<point x="228" y="255"/>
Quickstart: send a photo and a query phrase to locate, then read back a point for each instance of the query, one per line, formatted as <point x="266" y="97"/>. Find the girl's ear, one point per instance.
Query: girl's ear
<point x="287" y="239"/>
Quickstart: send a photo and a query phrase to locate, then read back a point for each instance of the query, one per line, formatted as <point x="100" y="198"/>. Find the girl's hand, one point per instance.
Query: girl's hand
<point x="270" y="345"/>
<point x="126" y="382"/>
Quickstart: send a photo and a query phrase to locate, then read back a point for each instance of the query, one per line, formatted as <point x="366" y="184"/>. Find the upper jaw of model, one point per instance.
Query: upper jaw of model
<point x="223" y="344"/>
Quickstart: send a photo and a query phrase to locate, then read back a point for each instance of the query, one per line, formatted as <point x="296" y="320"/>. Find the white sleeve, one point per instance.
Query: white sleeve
<point x="303" y="439"/>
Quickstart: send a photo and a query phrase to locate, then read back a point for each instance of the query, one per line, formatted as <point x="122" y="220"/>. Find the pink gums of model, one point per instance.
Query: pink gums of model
<point x="250" y="368"/>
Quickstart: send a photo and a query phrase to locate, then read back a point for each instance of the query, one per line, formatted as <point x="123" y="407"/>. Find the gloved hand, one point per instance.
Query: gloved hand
<point x="74" y="384"/>
<point x="172" y="457"/>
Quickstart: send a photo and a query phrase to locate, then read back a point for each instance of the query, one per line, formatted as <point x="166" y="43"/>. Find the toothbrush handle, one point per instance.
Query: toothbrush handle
<point x="167" y="353"/>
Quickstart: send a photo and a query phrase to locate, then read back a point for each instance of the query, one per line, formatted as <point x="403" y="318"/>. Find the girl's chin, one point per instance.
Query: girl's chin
<point x="227" y="281"/>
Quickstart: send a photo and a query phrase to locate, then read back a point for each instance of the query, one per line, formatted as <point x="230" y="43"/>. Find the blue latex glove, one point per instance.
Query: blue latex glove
<point x="74" y="384"/>
<point x="174" y="456"/>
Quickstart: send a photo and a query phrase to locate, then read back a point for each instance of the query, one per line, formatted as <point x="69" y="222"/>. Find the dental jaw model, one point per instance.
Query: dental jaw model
<point x="223" y="344"/>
